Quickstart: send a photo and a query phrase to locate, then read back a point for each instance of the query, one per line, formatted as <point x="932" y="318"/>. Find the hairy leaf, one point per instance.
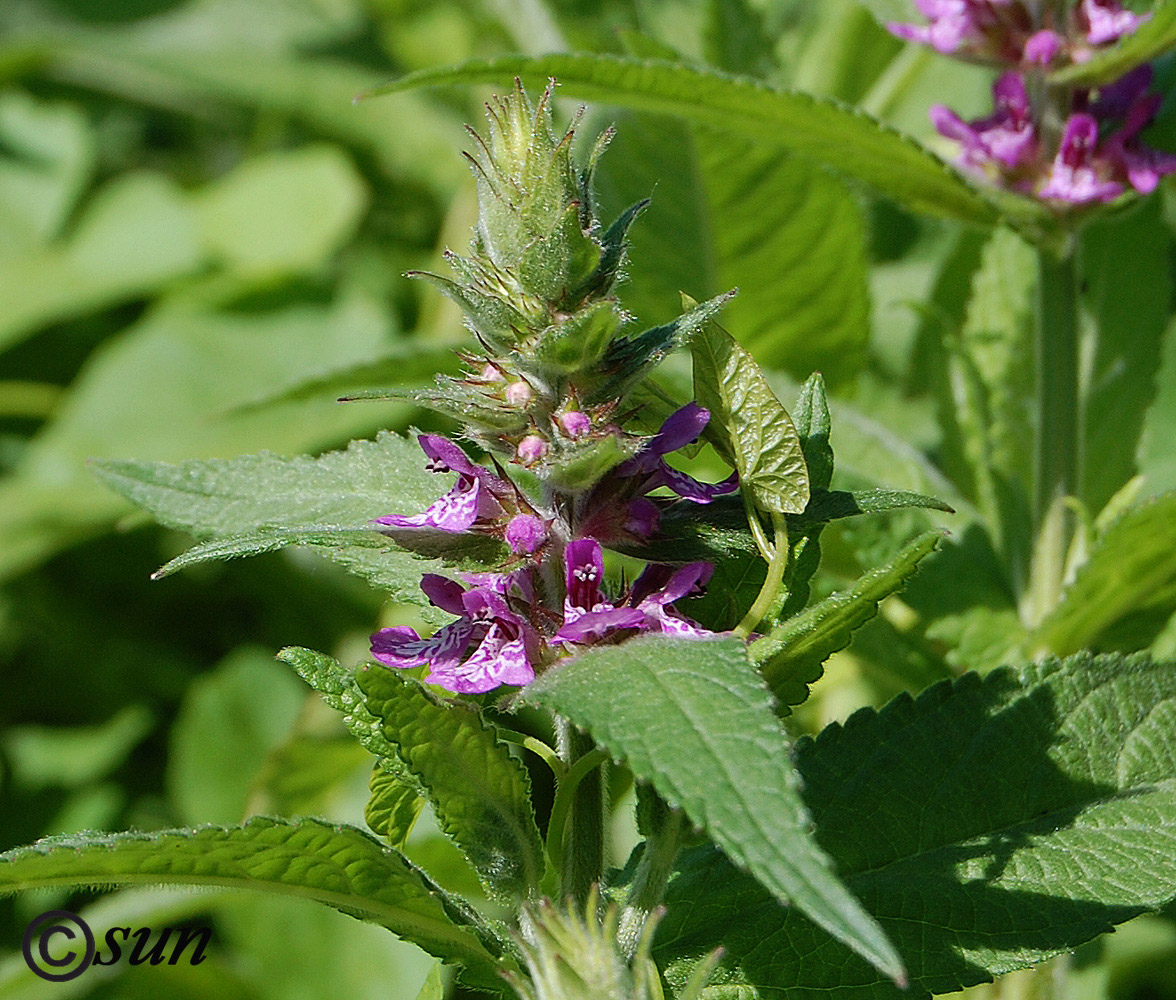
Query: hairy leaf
<point x="340" y="866"/>
<point x="480" y="794"/>
<point x="693" y="718"/>
<point x="849" y="141"/>
<point x="749" y="425"/>
<point x="1010" y="818"/>
<point x="790" y="657"/>
<point x="260" y="502"/>
<point x="1130" y="570"/>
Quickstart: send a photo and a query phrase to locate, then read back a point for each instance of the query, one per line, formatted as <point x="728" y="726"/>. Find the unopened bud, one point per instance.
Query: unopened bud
<point x="531" y="449"/>
<point x="575" y="424"/>
<point x="518" y="394"/>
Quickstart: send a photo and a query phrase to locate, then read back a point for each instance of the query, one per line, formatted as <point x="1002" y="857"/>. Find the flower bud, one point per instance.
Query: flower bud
<point x="531" y="449"/>
<point x="519" y="394"/>
<point x="575" y="424"/>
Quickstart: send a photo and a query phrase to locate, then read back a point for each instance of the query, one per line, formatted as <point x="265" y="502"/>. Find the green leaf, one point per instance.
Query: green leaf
<point x="1128" y="288"/>
<point x="135" y="234"/>
<point x="692" y="718"/>
<point x="260" y="502"/>
<point x="813" y="426"/>
<point x="49" y="155"/>
<point x="1131" y="572"/>
<point x="432" y="988"/>
<point x="790" y="657"/>
<point x="186" y="371"/>
<point x="282" y="212"/>
<point x="1151" y="39"/>
<point x="393" y="808"/>
<point x="479" y="793"/>
<point x="1157" y="458"/>
<point x="340" y="866"/>
<point x="230" y="720"/>
<point x="848" y="141"/>
<point x="749" y="425"/>
<point x="1010" y="818"/>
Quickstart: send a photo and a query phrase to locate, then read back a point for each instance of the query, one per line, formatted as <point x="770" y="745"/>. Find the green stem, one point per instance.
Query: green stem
<point x="1058" y="448"/>
<point x="650" y="880"/>
<point x="578" y="809"/>
<point x="772" y="582"/>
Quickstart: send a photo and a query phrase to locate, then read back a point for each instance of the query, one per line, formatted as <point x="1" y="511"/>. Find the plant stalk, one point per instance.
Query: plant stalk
<point x="649" y="881"/>
<point x="583" y="859"/>
<point x="1058" y="448"/>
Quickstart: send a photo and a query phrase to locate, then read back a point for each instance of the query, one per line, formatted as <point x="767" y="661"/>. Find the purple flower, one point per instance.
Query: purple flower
<point x="1106" y="21"/>
<point x="1129" y="160"/>
<point x="575" y="424"/>
<point x="952" y="24"/>
<point x="1078" y="175"/>
<point x="1006" y="138"/>
<point x="590" y="617"/>
<point x="1042" y="46"/>
<point x="504" y="644"/>
<point x="479" y="501"/>
<point x="618" y="506"/>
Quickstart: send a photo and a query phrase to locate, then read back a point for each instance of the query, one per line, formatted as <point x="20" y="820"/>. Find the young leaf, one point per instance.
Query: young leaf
<point x="260" y="502"/>
<point x="848" y="141"/>
<point x="340" y="866"/>
<point x="790" y="657"/>
<point x="693" y="719"/>
<point x="1011" y="818"/>
<point x="1131" y="570"/>
<point x="393" y="808"/>
<point x="1153" y="38"/>
<point x="480" y="794"/>
<point x="749" y="425"/>
<point x="813" y="425"/>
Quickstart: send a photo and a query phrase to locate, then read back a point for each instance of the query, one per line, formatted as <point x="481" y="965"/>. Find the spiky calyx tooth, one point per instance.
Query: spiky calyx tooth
<point x="535" y="215"/>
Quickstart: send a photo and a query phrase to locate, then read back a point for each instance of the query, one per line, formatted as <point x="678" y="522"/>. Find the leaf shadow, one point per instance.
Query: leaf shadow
<point x="932" y="810"/>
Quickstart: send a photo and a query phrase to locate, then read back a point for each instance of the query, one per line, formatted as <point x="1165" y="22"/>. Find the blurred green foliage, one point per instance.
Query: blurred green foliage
<point x="202" y="243"/>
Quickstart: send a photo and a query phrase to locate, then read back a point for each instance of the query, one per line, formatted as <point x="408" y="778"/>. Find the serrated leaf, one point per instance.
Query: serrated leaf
<point x="259" y="502"/>
<point x="479" y="793"/>
<point x="393" y="807"/>
<point x="1132" y="569"/>
<point x="749" y="425"/>
<point x="1010" y="818"/>
<point x="693" y="719"/>
<point x="849" y="141"/>
<point x="790" y="657"/>
<point x="1151" y="39"/>
<point x="340" y="866"/>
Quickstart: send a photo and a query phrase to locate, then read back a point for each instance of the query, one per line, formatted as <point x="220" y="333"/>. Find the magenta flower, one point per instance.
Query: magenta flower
<point x="589" y="617"/>
<point x="479" y="501"/>
<point x="1105" y="21"/>
<point x="1005" y="139"/>
<point x="505" y="646"/>
<point x="1078" y="175"/>
<point x="953" y="25"/>
<point x="619" y="508"/>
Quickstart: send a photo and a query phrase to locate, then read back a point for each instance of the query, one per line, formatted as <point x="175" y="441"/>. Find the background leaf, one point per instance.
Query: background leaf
<point x="850" y="142"/>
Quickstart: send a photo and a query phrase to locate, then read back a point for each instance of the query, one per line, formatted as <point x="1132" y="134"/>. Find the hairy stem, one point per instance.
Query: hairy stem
<point x="582" y="859"/>
<point x="650" y="879"/>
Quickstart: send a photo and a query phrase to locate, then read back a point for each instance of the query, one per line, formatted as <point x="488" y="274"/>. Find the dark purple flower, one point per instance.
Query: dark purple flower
<point x="1078" y="174"/>
<point x="1107" y="21"/>
<point x="1128" y="101"/>
<point x="590" y="617"/>
<point x="680" y="429"/>
<point x="479" y="501"/>
<point x="1006" y="139"/>
<point x="505" y="646"/>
